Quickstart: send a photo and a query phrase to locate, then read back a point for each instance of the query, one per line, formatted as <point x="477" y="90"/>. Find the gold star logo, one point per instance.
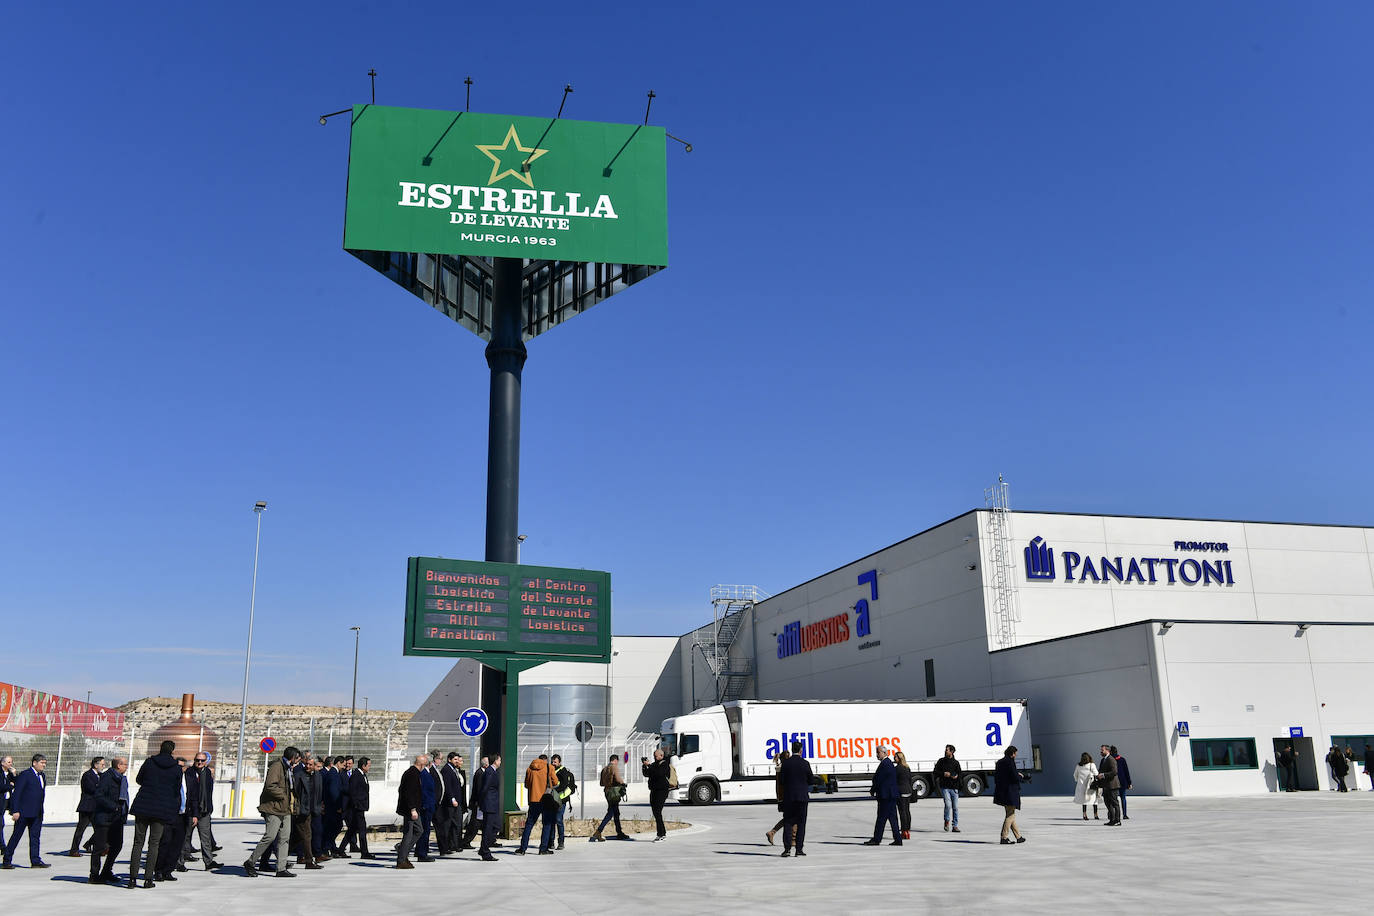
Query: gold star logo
<point x="510" y="151"/>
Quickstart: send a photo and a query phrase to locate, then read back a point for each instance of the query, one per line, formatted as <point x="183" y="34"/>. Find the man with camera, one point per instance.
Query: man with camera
<point x="659" y="774"/>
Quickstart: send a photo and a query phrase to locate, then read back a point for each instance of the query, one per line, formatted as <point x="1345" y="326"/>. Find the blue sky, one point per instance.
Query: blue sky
<point x="1119" y="253"/>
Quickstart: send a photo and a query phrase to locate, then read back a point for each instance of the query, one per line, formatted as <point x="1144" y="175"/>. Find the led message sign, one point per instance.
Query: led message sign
<point x="471" y="609"/>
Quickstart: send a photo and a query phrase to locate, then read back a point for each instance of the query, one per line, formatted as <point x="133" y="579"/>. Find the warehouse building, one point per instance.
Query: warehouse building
<point x="1198" y="647"/>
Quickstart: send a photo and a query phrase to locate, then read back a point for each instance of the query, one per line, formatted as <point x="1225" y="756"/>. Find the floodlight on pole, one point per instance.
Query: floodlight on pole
<point x="237" y="795"/>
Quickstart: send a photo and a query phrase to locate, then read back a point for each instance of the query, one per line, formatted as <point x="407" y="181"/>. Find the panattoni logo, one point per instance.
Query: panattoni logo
<point x="502" y="153"/>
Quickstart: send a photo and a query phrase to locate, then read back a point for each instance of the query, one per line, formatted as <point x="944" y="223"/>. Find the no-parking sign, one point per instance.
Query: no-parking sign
<point x="267" y="745"/>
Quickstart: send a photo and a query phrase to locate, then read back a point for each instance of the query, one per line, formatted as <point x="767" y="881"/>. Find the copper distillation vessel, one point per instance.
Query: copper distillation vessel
<point x="190" y="736"/>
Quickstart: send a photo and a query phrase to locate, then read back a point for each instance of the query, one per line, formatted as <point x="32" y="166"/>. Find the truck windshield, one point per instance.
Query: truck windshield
<point x="669" y="744"/>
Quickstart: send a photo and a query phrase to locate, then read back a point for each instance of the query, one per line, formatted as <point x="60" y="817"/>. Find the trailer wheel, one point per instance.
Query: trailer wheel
<point x="974" y="784"/>
<point x="703" y="792"/>
<point x="920" y="786"/>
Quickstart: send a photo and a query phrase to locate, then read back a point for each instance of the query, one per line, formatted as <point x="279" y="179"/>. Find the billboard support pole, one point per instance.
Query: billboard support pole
<point x="506" y="358"/>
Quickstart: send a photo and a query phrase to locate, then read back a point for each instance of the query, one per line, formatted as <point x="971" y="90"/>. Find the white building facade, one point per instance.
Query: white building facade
<point x="1193" y="646"/>
<point x="1199" y="648"/>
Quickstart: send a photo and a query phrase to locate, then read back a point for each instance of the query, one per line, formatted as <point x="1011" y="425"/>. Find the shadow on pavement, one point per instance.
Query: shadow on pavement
<point x="731" y="852"/>
<point x="971" y="842"/>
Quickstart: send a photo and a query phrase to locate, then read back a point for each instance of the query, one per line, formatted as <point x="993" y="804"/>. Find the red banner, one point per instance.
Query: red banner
<point x="33" y="712"/>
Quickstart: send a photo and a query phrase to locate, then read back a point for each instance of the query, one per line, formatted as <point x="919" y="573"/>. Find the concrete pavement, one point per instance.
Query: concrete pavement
<point x="1297" y="853"/>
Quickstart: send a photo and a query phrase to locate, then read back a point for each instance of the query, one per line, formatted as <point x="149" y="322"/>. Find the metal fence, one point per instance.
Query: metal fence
<point x="388" y="741"/>
<point x="69" y="750"/>
<point x="585" y="760"/>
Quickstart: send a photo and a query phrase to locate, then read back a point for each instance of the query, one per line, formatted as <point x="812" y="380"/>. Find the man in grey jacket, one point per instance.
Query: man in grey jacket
<point x="277" y="804"/>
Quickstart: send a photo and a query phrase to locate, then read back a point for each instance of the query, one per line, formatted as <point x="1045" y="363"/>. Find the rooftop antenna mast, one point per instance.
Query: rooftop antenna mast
<point x="1005" y="610"/>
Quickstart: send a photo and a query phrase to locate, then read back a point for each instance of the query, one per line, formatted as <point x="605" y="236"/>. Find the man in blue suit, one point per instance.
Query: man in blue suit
<point x="26" y="806"/>
<point x="795" y="776"/>
<point x="884" y="789"/>
<point x="331" y="782"/>
<point x="431" y="784"/>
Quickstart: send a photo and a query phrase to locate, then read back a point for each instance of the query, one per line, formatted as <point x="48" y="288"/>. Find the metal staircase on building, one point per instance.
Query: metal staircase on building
<point x="1005" y="610"/>
<point x="732" y="672"/>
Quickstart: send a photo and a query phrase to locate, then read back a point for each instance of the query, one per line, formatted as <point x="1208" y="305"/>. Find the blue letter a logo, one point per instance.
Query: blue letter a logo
<point x="1039" y="559"/>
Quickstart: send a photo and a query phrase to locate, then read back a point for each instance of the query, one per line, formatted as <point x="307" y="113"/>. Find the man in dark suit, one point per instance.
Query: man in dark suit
<point x="303" y="785"/>
<point x="109" y="815"/>
<point x="1123" y="776"/>
<point x="89" y="781"/>
<point x="202" y="806"/>
<point x="795" y="776"/>
<point x="488" y="803"/>
<point x="359" y="800"/>
<point x="475" y="803"/>
<point x="316" y="768"/>
<point x="448" y="818"/>
<point x="331" y="783"/>
<point x="431" y="784"/>
<point x="26" y="807"/>
<point x="884" y="789"/>
<point x="409" y="802"/>
<point x="1106" y="771"/>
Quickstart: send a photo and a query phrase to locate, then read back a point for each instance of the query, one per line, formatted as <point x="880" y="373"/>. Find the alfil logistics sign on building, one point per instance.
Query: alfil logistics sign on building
<point x="486" y="185"/>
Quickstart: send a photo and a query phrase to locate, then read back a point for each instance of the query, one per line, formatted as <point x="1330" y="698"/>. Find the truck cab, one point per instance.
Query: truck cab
<point x="698" y="746"/>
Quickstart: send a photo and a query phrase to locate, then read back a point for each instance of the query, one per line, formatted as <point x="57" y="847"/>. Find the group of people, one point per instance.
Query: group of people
<point x="1343" y="763"/>
<point x="894" y="788"/>
<point x="306" y="803"/>
<point x="1104" y="781"/>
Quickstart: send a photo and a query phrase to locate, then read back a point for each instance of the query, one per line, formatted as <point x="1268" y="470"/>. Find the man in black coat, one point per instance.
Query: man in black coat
<point x="409" y="804"/>
<point x="109" y="814"/>
<point x="487" y="800"/>
<point x="884" y="789"/>
<point x="170" y="856"/>
<point x="448" y="817"/>
<point x="359" y="800"/>
<point x="155" y="806"/>
<point x="1288" y="767"/>
<point x="89" y="781"/>
<point x="795" y="776"/>
<point x="475" y="803"/>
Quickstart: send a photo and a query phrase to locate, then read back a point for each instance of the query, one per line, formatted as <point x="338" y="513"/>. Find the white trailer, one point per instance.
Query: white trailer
<point x="726" y="752"/>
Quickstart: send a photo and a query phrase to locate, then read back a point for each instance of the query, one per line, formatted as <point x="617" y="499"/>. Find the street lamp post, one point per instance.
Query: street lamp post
<point x="519" y="540"/>
<point x="247" y="660"/>
<point x="353" y="715"/>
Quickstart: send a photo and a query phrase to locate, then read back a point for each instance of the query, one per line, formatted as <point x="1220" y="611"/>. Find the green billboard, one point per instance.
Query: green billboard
<point x="479" y="610"/>
<point x="463" y="183"/>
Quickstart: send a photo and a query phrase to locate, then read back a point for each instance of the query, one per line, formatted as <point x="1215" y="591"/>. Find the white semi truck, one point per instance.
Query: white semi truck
<point x="726" y="752"/>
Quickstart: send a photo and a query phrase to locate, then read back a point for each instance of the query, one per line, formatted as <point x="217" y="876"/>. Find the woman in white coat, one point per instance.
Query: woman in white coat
<point x="1083" y="792"/>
